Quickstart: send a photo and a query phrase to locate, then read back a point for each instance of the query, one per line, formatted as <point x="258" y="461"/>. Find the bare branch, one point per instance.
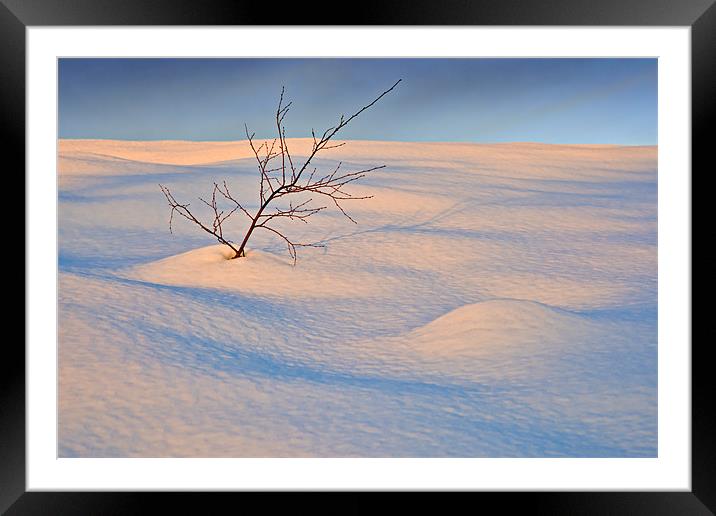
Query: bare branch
<point x="275" y="182"/>
<point x="291" y="245"/>
<point x="227" y="195"/>
<point x="183" y="210"/>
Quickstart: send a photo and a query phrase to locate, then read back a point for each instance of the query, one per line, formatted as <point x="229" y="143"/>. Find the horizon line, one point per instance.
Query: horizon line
<point x="483" y="142"/>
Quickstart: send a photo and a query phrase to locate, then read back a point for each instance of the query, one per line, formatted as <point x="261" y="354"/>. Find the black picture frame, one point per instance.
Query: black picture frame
<point x="16" y="15"/>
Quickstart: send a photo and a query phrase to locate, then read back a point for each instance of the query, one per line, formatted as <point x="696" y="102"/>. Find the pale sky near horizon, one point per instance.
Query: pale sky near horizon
<point x="611" y="101"/>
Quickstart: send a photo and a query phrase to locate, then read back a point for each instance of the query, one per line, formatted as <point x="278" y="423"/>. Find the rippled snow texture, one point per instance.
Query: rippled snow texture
<point x="492" y="301"/>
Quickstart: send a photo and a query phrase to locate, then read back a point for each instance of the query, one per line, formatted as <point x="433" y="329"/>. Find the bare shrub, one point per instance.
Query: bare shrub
<point x="280" y="179"/>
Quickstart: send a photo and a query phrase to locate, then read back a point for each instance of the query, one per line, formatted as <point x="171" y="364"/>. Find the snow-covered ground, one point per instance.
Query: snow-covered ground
<point x="493" y="300"/>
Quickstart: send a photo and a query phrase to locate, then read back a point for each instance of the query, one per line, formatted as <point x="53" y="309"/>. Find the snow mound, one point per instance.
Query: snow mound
<point x="259" y="273"/>
<point x="489" y="342"/>
<point x="495" y="326"/>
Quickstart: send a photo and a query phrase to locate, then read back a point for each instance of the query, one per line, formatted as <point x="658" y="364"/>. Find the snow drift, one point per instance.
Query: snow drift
<point x="493" y="300"/>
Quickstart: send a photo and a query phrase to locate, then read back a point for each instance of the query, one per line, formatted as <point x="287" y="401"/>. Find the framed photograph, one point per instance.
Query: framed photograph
<point x="439" y="250"/>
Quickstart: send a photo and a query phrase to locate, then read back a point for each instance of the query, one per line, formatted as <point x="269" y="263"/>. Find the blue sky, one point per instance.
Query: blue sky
<point x="474" y="100"/>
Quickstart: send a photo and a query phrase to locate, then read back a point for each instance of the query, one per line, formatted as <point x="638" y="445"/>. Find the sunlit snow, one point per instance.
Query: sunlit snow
<point x="493" y="301"/>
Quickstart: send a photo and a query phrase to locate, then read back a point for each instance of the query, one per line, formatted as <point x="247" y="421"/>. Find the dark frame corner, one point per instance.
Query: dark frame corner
<point x="17" y="15"/>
